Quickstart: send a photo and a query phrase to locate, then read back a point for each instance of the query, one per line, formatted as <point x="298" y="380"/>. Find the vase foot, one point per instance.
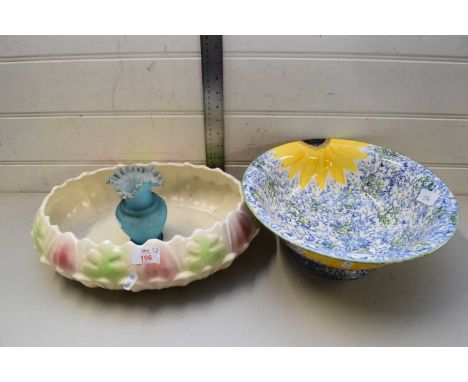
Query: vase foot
<point x="160" y="237"/>
<point x="329" y="272"/>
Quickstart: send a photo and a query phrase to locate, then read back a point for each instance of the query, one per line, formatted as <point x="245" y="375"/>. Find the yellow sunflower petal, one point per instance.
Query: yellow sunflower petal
<point x="343" y="162"/>
<point x="316" y="162"/>
<point x="348" y="151"/>
<point x="338" y="173"/>
<point x="322" y="172"/>
<point x="288" y="161"/>
<point x="345" y="142"/>
<point x="293" y="149"/>
<point x="295" y="168"/>
<point x="308" y="171"/>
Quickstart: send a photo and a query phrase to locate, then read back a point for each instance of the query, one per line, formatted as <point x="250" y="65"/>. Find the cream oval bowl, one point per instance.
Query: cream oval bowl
<point x="346" y="207"/>
<point x="75" y="230"/>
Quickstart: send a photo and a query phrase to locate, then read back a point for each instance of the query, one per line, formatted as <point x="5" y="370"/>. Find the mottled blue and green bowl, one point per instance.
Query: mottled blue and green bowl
<point x="346" y="207"/>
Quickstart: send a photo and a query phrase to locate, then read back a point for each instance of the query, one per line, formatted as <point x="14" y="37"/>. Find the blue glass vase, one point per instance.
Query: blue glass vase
<point x="141" y="212"/>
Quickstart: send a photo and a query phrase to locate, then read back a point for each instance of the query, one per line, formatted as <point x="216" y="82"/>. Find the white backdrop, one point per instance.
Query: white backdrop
<point x="70" y="104"/>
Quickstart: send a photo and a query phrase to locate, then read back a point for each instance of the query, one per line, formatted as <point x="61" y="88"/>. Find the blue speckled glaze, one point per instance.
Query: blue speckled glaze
<point x="373" y="218"/>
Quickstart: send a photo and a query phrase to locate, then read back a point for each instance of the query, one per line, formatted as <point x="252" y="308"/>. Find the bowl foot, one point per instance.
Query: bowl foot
<point x="329" y="272"/>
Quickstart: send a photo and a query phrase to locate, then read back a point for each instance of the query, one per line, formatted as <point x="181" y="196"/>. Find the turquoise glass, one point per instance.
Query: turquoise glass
<point x="141" y="213"/>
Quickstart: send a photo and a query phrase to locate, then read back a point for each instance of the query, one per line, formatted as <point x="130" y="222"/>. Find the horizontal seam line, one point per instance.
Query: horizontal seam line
<point x="348" y="57"/>
<point x="235" y="114"/>
<point x="104" y="114"/>
<point x="228" y="163"/>
<point x="359" y="115"/>
<point x="88" y="163"/>
<point x="100" y="57"/>
<point x="272" y="55"/>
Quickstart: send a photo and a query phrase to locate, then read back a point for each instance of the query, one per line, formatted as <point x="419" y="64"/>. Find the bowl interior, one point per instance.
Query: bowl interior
<point x="196" y="197"/>
<point x="374" y="217"/>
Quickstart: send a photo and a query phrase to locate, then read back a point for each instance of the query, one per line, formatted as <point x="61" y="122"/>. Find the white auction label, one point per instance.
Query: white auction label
<point x="130" y="281"/>
<point x="146" y="255"/>
<point x="427" y="197"/>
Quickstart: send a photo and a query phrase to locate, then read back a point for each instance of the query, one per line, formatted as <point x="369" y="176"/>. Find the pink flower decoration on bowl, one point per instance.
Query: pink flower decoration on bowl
<point x="242" y="229"/>
<point x="165" y="270"/>
<point x="62" y="252"/>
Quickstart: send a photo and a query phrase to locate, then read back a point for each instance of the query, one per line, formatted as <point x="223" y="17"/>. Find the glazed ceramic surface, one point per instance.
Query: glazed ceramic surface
<point x="346" y="206"/>
<point x="76" y="231"/>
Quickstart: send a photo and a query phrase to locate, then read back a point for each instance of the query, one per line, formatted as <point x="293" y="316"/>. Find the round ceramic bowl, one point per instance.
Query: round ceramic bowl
<point x="346" y="207"/>
<point x="76" y="231"/>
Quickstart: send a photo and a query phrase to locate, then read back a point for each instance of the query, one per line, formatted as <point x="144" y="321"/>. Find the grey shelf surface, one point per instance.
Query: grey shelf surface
<point x="262" y="299"/>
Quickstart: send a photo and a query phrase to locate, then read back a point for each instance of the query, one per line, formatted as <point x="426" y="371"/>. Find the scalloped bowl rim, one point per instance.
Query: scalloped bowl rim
<point x="184" y="277"/>
<point x="129" y="242"/>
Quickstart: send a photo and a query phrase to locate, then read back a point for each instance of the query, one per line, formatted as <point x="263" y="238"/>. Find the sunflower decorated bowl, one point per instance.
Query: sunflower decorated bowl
<point x="81" y="231"/>
<point x="346" y="207"/>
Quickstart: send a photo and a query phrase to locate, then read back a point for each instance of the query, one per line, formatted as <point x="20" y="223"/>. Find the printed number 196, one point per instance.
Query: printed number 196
<point x="146" y="258"/>
<point x="151" y="255"/>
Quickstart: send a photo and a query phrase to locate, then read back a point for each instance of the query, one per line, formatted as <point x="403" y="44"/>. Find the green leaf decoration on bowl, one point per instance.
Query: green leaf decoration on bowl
<point x="76" y="230"/>
<point x="38" y="234"/>
<point x="205" y="251"/>
<point x="105" y="263"/>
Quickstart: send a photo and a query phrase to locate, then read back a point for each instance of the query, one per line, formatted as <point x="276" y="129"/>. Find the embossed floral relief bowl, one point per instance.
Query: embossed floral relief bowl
<point x="76" y="232"/>
<point x="346" y="207"/>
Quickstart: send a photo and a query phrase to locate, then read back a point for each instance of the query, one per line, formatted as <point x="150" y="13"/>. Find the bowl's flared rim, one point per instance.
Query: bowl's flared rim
<point x="57" y="231"/>
<point x="333" y="253"/>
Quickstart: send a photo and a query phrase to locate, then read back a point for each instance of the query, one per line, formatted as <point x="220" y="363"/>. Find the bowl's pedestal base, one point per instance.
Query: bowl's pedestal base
<point x="329" y="272"/>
